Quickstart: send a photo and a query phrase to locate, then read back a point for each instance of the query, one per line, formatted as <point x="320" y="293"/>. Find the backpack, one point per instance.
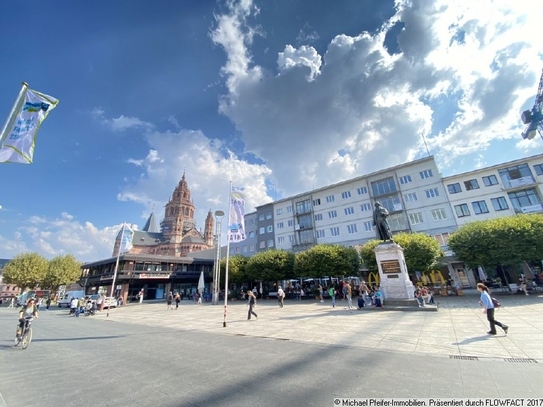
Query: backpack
<point x="495" y="302"/>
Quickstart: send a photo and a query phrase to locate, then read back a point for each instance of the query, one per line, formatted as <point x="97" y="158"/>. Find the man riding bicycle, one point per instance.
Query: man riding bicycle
<point x="27" y="311"/>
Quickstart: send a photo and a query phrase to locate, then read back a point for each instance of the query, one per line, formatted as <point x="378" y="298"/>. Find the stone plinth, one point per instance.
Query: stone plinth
<point x="395" y="283"/>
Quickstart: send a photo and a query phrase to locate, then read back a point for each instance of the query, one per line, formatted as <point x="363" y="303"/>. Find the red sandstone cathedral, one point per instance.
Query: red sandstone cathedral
<point x="178" y="235"/>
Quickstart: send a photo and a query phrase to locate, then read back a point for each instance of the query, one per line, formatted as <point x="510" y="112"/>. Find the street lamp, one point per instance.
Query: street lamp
<point x="217" y="266"/>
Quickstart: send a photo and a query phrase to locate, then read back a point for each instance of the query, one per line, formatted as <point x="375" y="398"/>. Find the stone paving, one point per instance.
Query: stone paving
<point x="457" y="330"/>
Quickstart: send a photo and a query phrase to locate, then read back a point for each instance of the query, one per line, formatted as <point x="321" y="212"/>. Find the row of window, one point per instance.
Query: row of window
<point x="472" y="184"/>
<point x="479" y="207"/>
<point x="417" y="218"/>
<point x="511" y="177"/>
<point x="335" y="231"/>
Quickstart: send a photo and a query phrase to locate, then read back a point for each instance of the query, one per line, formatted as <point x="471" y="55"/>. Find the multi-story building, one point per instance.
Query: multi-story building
<point x="247" y="247"/>
<point x="342" y="213"/>
<point x="265" y="231"/>
<point x="417" y="198"/>
<point x="497" y="191"/>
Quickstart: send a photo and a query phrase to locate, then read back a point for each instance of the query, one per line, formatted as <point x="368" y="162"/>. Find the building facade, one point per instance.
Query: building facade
<point x="155" y="275"/>
<point x="417" y="198"/>
<point x="497" y="191"/>
<point x="342" y="213"/>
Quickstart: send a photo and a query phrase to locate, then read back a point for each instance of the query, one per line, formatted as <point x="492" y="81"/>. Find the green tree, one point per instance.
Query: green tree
<point x="421" y="252"/>
<point x="61" y="270"/>
<point x="236" y="269"/>
<point x="270" y="265"/>
<point x="503" y="241"/>
<point x="325" y="260"/>
<point x="367" y="255"/>
<point x="26" y="270"/>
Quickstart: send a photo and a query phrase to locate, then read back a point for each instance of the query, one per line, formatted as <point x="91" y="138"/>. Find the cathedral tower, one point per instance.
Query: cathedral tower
<point x="208" y="231"/>
<point x="178" y="214"/>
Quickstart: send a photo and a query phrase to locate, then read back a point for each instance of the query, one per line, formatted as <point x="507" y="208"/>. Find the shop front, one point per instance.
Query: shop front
<point x="156" y="275"/>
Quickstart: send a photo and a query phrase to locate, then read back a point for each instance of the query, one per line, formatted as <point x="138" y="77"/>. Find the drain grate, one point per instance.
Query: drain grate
<point x="463" y="357"/>
<point x="520" y="360"/>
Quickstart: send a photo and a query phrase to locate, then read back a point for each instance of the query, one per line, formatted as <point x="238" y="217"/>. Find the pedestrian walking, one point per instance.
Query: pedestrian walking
<point x="488" y="304"/>
<point x="319" y="288"/>
<point x="280" y="296"/>
<point x="169" y="301"/>
<point x="141" y="295"/>
<point x="48" y="303"/>
<point x="177" y="300"/>
<point x="349" y="296"/>
<point x="251" y="303"/>
<point x="39" y="304"/>
<point x="332" y="294"/>
<point x="11" y="302"/>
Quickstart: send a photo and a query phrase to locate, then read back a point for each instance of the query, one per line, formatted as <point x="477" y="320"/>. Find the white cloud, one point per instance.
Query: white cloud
<point x="63" y="235"/>
<point x="120" y="123"/>
<point x="362" y="109"/>
<point x="208" y="168"/>
<point x="123" y="123"/>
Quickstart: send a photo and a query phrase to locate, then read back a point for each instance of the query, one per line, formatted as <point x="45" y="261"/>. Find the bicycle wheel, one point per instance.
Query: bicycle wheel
<point x="27" y="338"/>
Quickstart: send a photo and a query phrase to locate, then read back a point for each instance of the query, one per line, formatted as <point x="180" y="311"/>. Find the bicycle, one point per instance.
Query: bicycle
<point x="26" y="335"/>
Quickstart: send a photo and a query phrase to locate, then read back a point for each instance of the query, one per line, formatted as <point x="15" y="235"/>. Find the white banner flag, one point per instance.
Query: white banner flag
<point x="236" y="219"/>
<point x="18" y="137"/>
<point x="126" y="239"/>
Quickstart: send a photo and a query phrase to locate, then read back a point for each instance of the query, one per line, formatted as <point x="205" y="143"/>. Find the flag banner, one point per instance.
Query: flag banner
<point x="126" y="239"/>
<point x="18" y="138"/>
<point x="236" y="219"/>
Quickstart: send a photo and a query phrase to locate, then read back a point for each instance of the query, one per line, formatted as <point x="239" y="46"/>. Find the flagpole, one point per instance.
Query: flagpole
<point x="228" y="233"/>
<point x="116" y="267"/>
<point x="12" y="112"/>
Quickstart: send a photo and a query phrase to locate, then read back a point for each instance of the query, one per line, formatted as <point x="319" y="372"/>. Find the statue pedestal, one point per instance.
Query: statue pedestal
<point x="395" y="283"/>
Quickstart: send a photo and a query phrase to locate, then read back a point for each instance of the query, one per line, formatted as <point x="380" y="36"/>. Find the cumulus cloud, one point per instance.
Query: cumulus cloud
<point x="358" y="108"/>
<point x="59" y="236"/>
<point x="208" y="166"/>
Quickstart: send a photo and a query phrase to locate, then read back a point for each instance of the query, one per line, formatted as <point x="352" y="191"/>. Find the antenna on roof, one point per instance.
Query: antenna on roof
<point x="425" y="145"/>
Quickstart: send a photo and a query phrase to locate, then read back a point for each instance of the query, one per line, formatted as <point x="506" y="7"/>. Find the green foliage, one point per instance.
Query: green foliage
<point x="420" y="251"/>
<point x="26" y="270"/>
<point x="367" y="254"/>
<point x="325" y="260"/>
<point x="270" y="265"/>
<point x="61" y="270"/>
<point x="503" y="241"/>
<point x="236" y="269"/>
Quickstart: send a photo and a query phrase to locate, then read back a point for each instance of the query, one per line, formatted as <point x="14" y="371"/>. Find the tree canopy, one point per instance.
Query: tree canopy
<point x="26" y="270"/>
<point x="61" y="270"/>
<point x="236" y="268"/>
<point x="421" y="252"/>
<point x="270" y="265"/>
<point x="325" y="260"/>
<point x="502" y="241"/>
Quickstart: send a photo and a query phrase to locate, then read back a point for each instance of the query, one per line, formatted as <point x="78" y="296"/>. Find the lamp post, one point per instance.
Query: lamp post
<point x="217" y="266"/>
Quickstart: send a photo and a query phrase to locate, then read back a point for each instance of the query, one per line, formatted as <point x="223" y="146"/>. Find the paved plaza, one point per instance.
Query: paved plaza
<point x="305" y="354"/>
<point x="457" y="329"/>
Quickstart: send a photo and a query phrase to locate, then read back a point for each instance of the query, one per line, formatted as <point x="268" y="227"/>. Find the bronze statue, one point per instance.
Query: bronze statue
<point x="380" y="222"/>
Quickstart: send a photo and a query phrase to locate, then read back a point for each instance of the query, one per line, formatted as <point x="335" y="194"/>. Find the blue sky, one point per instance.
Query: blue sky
<point x="279" y="96"/>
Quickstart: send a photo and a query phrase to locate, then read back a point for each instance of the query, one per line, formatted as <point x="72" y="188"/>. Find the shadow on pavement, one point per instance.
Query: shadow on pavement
<point x="471" y="340"/>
